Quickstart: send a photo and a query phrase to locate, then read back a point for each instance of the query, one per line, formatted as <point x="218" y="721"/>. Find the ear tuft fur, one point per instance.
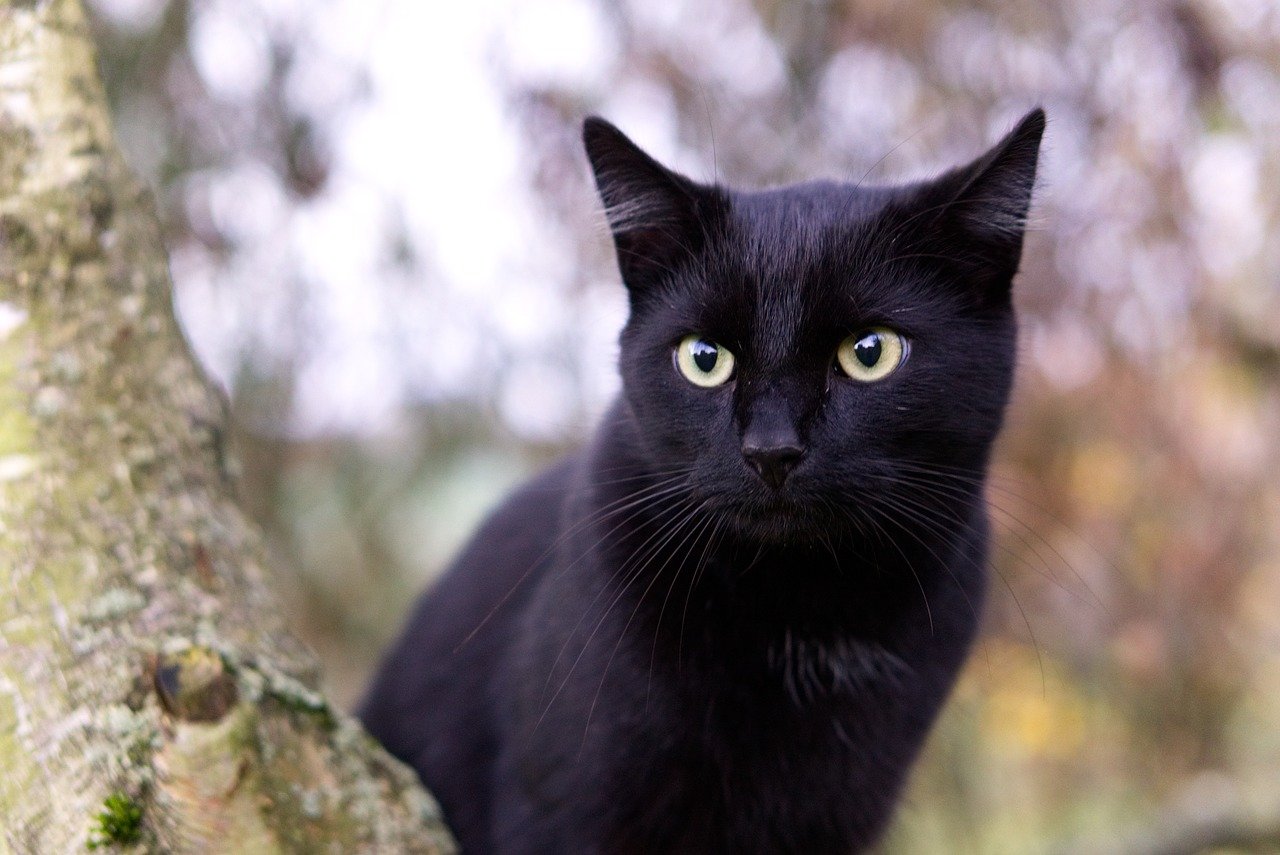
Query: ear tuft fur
<point x="657" y="216"/>
<point x="981" y="208"/>
<point x="995" y="199"/>
<point x="636" y="190"/>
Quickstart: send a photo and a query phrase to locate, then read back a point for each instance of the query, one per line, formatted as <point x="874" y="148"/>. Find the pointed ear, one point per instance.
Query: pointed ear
<point x="981" y="208"/>
<point x="658" y="218"/>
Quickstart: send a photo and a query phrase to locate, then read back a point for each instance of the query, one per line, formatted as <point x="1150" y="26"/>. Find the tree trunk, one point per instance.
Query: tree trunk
<point x="150" y="696"/>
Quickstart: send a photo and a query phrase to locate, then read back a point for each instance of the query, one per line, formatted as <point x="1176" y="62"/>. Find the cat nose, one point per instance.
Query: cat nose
<point x="773" y="462"/>
<point x="770" y="444"/>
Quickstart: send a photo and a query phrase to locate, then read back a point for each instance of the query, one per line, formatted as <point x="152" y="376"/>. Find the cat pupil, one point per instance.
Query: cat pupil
<point x="705" y="355"/>
<point x="868" y="350"/>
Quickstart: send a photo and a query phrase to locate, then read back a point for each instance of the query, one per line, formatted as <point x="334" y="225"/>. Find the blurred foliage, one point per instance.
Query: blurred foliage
<point x="1133" y="650"/>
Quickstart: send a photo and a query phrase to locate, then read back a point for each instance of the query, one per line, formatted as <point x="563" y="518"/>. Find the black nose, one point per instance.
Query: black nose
<point x="773" y="462"/>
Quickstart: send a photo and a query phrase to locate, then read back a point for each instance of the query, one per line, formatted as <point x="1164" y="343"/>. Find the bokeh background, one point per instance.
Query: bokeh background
<point x="386" y="247"/>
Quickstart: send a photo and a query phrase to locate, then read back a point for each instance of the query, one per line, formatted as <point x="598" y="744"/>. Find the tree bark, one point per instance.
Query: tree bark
<point x="151" y="697"/>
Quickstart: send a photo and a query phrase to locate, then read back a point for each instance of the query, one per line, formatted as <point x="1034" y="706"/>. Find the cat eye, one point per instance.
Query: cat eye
<point x="703" y="362"/>
<point x="871" y="354"/>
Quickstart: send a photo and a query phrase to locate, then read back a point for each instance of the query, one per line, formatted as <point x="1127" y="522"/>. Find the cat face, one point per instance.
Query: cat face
<point x="807" y="352"/>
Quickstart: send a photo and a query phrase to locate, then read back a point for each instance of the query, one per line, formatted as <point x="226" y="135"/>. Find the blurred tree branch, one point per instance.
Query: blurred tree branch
<point x="150" y="695"/>
<point x="1257" y="348"/>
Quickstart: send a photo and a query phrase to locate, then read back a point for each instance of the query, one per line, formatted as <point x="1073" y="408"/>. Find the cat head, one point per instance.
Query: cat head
<point x="804" y="351"/>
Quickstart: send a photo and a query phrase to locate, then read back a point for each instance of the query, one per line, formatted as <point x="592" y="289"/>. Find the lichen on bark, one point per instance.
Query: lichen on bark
<point x="142" y="657"/>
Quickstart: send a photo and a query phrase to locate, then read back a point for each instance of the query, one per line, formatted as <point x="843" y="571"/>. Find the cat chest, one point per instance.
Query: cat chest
<point x="767" y="779"/>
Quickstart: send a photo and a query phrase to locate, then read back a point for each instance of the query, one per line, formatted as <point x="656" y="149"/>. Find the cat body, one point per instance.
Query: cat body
<point x="728" y="623"/>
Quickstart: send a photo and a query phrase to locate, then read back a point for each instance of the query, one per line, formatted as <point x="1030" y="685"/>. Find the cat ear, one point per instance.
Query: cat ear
<point x="658" y="217"/>
<point x="981" y="208"/>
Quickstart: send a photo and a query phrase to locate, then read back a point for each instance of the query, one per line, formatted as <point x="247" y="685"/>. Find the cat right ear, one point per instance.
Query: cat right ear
<point x="658" y="217"/>
<point x="980" y="210"/>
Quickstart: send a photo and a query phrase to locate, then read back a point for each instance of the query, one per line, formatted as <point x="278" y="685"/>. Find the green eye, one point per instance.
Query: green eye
<point x="871" y="354"/>
<point x="703" y="362"/>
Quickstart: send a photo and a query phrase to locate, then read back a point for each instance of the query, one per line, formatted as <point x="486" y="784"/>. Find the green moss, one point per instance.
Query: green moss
<point x="119" y="823"/>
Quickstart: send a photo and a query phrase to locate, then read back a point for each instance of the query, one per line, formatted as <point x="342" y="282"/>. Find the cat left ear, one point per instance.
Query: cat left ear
<point x="658" y="217"/>
<point x="982" y="207"/>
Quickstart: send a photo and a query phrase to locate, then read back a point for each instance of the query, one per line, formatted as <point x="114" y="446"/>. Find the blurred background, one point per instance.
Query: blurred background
<point x="387" y="248"/>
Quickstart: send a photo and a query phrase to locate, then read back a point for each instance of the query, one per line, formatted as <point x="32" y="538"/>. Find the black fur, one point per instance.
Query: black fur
<point x="649" y="648"/>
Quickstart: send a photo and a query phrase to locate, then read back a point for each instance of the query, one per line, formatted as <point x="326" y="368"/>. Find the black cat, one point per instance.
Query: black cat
<point x="727" y="625"/>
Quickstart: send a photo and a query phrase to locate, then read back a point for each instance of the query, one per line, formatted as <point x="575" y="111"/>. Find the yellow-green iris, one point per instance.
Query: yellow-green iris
<point x="871" y="354"/>
<point x="703" y="362"/>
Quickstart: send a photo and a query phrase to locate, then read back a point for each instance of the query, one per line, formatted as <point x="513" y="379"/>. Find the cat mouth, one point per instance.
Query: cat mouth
<point x="775" y="518"/>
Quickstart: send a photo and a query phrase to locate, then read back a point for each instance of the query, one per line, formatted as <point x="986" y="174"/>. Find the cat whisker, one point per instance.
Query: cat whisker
<point x="1006" y="484"/>
<point x="925" y="479"/>
<point x="652" y="493"/>
<point x="929" y="516"/>
<point x="894" y="543"/>
<point x="662" y="517"/>
<point x="653" y="650"/>
<point x="632" y="568"/>
<point x="712" y="543"/>
<point x="886" y="155"/>
<point x="1045" y="569"/>
<point x="892" y="504"/>
<point x="675" y="517"/>
<point x="690" y="537"/>
<point x="1026" y="621"/>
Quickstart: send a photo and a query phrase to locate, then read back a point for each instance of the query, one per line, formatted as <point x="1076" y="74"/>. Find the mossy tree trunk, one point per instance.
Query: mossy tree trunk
<point x="150" y="696"/>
